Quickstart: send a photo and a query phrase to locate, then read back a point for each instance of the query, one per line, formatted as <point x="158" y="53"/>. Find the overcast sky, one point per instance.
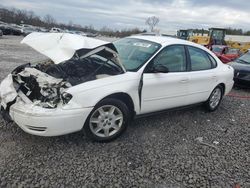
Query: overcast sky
<point x="173" y="14"/>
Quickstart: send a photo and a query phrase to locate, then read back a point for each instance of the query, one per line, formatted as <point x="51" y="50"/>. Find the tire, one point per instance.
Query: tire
<point x="214" y="99"/>
<point x="108" y="120"/>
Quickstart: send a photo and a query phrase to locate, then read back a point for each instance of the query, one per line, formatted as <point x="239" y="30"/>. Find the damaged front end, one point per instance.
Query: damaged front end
<point x="38" y="87"/>
<point x="45" y="84"/>
<point x="30" y="85"/>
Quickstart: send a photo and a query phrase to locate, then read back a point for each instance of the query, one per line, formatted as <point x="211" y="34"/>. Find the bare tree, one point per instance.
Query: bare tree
<point x="152" y="22"/>
<point x="49" y="20"/>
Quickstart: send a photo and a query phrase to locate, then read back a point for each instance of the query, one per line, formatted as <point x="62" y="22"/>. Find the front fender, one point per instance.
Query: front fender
<point x="90" y="93"/>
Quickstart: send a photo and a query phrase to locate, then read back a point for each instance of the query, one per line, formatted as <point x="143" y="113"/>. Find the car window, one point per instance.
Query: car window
<point x="213" y="61"/>
<point x="244" y="58"/>
<point x="172" y="57"/>
<point x="199" y="59"/>
<point x="134" y="53"/>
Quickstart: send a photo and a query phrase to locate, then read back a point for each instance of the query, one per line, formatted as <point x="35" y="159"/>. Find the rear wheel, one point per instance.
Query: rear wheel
<point x="107" y="120"/>
<point x="214" y="99"/>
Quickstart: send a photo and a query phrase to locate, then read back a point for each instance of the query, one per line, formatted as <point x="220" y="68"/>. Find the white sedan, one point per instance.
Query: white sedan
<point x="99" y="87"/>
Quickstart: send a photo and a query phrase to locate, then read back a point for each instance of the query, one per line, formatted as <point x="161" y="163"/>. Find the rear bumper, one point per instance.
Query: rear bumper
<point x="229" y="87"/>
<point x="48" y="122"/>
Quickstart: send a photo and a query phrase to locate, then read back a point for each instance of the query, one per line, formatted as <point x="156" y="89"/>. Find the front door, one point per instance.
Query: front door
<point x="165" y="90"/>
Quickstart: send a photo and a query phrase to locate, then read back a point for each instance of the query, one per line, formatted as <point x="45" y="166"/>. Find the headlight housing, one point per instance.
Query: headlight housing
<point x="66" y="97"/>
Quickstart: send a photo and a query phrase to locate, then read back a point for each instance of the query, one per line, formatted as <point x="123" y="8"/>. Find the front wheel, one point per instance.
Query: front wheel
<point x="214" y="99"/>
<point x="107" y="121"/>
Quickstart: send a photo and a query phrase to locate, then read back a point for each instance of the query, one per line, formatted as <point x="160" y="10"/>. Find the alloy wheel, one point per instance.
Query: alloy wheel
<point x="106" y="121"/>
<point x="215" y="98"/>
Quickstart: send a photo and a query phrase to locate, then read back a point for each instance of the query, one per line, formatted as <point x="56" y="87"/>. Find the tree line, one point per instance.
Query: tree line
<point x="232" y="31"/>
<point x="18" y="16"/>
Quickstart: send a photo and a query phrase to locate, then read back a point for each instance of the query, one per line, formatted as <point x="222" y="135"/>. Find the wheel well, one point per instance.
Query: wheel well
<point x="124" y="97"/>
<point x="223" y="87"/>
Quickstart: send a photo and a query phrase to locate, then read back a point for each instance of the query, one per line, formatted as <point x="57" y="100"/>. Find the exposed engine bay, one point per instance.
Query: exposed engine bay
<point x="73" y="60"/>
<point x="44" y="83"/>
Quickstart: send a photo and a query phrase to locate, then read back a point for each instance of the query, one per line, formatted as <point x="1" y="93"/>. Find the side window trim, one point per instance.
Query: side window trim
<point x="152" y="60"/>
<point x="207" y="54"/>
<point x="188" y="59"/>
<point x="212" y="59"/>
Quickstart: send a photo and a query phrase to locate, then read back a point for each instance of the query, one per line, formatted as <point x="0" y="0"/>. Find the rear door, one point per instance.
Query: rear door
<point x="166" y="90"/>
<point x="203" y="77"/>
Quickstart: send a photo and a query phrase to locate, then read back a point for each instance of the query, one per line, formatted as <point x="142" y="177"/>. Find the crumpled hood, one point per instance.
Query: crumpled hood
<point x="60" y="47"/>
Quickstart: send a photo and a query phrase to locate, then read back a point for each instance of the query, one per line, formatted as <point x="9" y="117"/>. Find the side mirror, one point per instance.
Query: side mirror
<point x="160" y="69"/>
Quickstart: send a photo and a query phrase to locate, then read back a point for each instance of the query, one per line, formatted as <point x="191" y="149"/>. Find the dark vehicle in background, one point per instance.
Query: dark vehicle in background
<point x="225" y="54"/>
<point x="28" y="30"/>
<point x="22" y="29"/>
<point x="10" y="29"/>
<point x="5" y="29"/>
<point x="1" y="33"/>
<point x="242" y="70"/>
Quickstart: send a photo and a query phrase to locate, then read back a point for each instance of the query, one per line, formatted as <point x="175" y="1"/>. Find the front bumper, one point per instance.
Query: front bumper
<point x="48" y="122"/>
<point x="242" y="82"/>
<point x="242" y="78"/>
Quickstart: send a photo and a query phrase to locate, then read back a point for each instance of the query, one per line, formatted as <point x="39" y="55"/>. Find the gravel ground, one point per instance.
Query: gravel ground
<point x="187" y="148"/>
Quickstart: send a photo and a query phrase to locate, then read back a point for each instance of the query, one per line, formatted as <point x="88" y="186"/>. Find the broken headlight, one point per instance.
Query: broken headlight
<point x="66" y="97"/>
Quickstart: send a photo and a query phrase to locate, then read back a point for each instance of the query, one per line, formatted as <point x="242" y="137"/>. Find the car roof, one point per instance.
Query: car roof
<point x="163" y="40"/>
<point x="166" y="41"/>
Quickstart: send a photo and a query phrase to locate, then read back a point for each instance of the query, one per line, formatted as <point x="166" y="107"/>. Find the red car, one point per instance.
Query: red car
<point x="226" y="54"/>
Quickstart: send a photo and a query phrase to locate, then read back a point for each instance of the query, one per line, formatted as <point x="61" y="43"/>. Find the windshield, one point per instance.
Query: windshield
<point x="244" y="58"/>
<point x="135" y="52"/>
<point x="183" y="33"/>
<point x="218" y="34"/>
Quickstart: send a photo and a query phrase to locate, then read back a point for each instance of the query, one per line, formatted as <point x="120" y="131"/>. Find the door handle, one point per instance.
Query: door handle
<point x="214" y="77"/>
<point x="184" y="80"/>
